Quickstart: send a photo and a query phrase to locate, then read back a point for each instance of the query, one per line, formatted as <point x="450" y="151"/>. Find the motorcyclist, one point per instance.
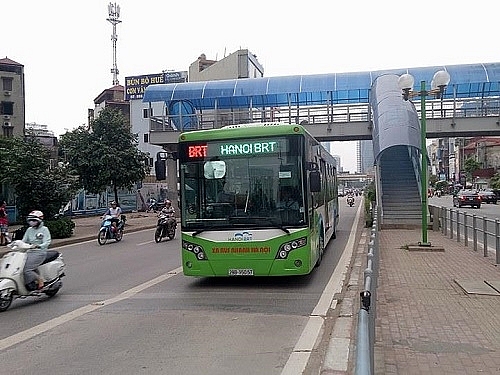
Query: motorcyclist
<point x="169" y="212"/>
<point x="152" y="205"/>
<point x="350" y="198"/>
<point x="38" y="236"/>
<point x="115" y="212"/>
<point x="168" y="209"/>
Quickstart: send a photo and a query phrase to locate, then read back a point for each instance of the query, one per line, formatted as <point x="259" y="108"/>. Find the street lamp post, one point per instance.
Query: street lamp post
<point x="438" y="85"/>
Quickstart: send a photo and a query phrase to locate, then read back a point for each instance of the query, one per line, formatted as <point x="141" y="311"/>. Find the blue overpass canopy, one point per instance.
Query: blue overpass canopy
<point x="469" y="80"/>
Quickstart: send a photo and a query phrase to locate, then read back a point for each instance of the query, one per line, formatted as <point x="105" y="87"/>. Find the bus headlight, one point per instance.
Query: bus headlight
<point x="289" y="246"/>
<point x="197" y="250"/>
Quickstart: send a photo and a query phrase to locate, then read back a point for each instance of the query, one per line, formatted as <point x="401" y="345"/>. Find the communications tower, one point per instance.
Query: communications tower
<point x="114" y="15"/>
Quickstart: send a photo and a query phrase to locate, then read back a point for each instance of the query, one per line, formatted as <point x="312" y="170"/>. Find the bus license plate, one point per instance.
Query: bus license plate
<point x="241" y="272"/>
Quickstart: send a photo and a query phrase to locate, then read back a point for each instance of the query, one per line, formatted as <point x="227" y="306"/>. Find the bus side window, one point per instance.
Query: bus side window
<point x="314" y="181"/>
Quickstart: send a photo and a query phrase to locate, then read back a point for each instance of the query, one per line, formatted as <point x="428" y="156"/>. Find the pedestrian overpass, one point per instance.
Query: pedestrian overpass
<point x="342" y="107"/>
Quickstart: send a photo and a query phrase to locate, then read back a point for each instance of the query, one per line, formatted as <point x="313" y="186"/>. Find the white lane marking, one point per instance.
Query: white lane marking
<point x="336" y="280"/>
<point x="302" y="351"/>
<point x="50" y="324"/>
<point x="144" y="243"/>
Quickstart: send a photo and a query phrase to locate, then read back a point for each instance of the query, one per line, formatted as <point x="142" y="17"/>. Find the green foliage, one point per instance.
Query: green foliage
<point x="105" y="155"/>
<point x="441" y="185"/>
<point x="369" y="201"/>
<point x="470" y="165"/>
<point x="25" y="167"/>
<point x="433" y="179"/>
<point x="370" y="192"/>
<point x="495" y="181"/>
<point x="60" y="228"/>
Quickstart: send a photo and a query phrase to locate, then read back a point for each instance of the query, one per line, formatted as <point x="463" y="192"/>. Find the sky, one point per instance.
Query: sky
<point x="68" y="56"/>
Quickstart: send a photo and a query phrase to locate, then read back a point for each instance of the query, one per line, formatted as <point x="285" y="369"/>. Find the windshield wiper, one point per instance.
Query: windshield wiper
<point x="275" y="224"/>
<point x="256" y="220"/>
<point x="198" y="231"/>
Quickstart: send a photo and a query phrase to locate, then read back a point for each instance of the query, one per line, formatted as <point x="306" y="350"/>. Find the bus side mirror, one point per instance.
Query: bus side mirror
<point x="314" y="181"/>
<point x="160" y="170"/>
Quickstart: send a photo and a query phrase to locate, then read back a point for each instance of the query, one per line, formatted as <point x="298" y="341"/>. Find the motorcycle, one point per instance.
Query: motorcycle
<point x="350" y="201"/>
<point x="12" y="285"/>
<point x="108" y="232"/>
<point x="155" y="206"/>
<point x="165" y="227"/>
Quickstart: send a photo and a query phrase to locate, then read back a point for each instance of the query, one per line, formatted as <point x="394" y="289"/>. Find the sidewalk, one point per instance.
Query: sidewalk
<point x="426" y="321"/>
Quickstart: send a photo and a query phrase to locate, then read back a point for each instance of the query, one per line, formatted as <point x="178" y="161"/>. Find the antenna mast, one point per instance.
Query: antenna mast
<point x="114" y="15"/>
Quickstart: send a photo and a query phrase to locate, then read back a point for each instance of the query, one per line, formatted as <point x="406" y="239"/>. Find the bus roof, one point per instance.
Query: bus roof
<point x="244" y="131"/>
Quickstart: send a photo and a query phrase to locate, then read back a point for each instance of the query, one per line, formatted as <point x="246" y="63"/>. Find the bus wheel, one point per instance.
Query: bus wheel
<point x="321" y="250"/>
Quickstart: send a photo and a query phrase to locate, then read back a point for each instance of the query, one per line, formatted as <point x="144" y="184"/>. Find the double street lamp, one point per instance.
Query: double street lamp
<point x="438" y="85"/>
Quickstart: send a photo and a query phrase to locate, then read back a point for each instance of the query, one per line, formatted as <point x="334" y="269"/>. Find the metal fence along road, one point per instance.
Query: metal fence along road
<point x="478" y="231"/>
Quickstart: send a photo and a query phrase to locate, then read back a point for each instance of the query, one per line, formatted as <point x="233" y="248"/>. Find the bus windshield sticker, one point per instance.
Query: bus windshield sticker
<point x="214" y="169"/>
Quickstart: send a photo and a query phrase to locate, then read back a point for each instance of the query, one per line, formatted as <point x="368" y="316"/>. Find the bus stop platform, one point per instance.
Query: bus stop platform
<point x="437" y="312"/>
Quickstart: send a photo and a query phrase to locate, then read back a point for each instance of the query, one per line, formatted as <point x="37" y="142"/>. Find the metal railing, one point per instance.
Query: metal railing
<point x="473" y="229"/>
<point x="216" y="118"/>
<point x="317" y="114"/>
<point x="365" y="340"/>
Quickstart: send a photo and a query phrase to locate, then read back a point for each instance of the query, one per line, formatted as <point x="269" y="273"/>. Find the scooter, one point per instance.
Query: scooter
<point x="165" y="227"/>
<point x="155" y="206"/>
<point x="350" y="201"/>
<point x="107" y="232"/>
<point x="12" y="286"/>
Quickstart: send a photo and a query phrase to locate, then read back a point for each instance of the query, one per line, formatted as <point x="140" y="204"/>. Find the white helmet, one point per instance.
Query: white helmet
<point x="35" y="216"/>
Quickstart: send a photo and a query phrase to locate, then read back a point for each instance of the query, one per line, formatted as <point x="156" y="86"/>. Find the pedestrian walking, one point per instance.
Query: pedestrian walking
<point x="4" y="224"/>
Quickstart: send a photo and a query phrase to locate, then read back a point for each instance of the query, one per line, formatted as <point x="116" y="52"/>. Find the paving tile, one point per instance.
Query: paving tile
<point x="426" y="322"/>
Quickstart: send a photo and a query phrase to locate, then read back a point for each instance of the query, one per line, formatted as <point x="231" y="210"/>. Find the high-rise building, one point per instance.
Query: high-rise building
<point x="338" y="161"/>
<point x="364" y="151"/>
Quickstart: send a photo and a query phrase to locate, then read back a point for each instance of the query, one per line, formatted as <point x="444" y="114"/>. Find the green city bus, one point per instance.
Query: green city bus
<point x="256" y="200"/>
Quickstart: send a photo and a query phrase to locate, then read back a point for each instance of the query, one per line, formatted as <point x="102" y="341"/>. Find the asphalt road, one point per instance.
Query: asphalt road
<point x="126" y="308"/>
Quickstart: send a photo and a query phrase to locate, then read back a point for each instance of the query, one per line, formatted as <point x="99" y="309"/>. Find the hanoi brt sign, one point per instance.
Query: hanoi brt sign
<point x="210" y="149"/>
<point x="135" y="86"/>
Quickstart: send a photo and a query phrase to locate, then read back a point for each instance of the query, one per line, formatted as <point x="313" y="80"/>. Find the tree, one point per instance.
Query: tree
<point x="433" y="179"/>
<point x="495" y="181"/>
<point x="106" y="155"/>
<point x="470" y="165"/>
<point x="26" y="168"/>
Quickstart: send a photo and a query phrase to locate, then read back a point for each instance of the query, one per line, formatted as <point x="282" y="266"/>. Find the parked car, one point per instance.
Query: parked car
<point x="467" y="198"/>
<point x="488" y="196"/>
<point x="497" y="192"/>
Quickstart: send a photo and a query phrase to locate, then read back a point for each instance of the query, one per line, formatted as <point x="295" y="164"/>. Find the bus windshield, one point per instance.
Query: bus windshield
<point x="254" y="182"/>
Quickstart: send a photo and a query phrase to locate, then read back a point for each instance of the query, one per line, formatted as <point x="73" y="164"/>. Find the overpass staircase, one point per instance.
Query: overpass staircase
<point x="401" y="203"/>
